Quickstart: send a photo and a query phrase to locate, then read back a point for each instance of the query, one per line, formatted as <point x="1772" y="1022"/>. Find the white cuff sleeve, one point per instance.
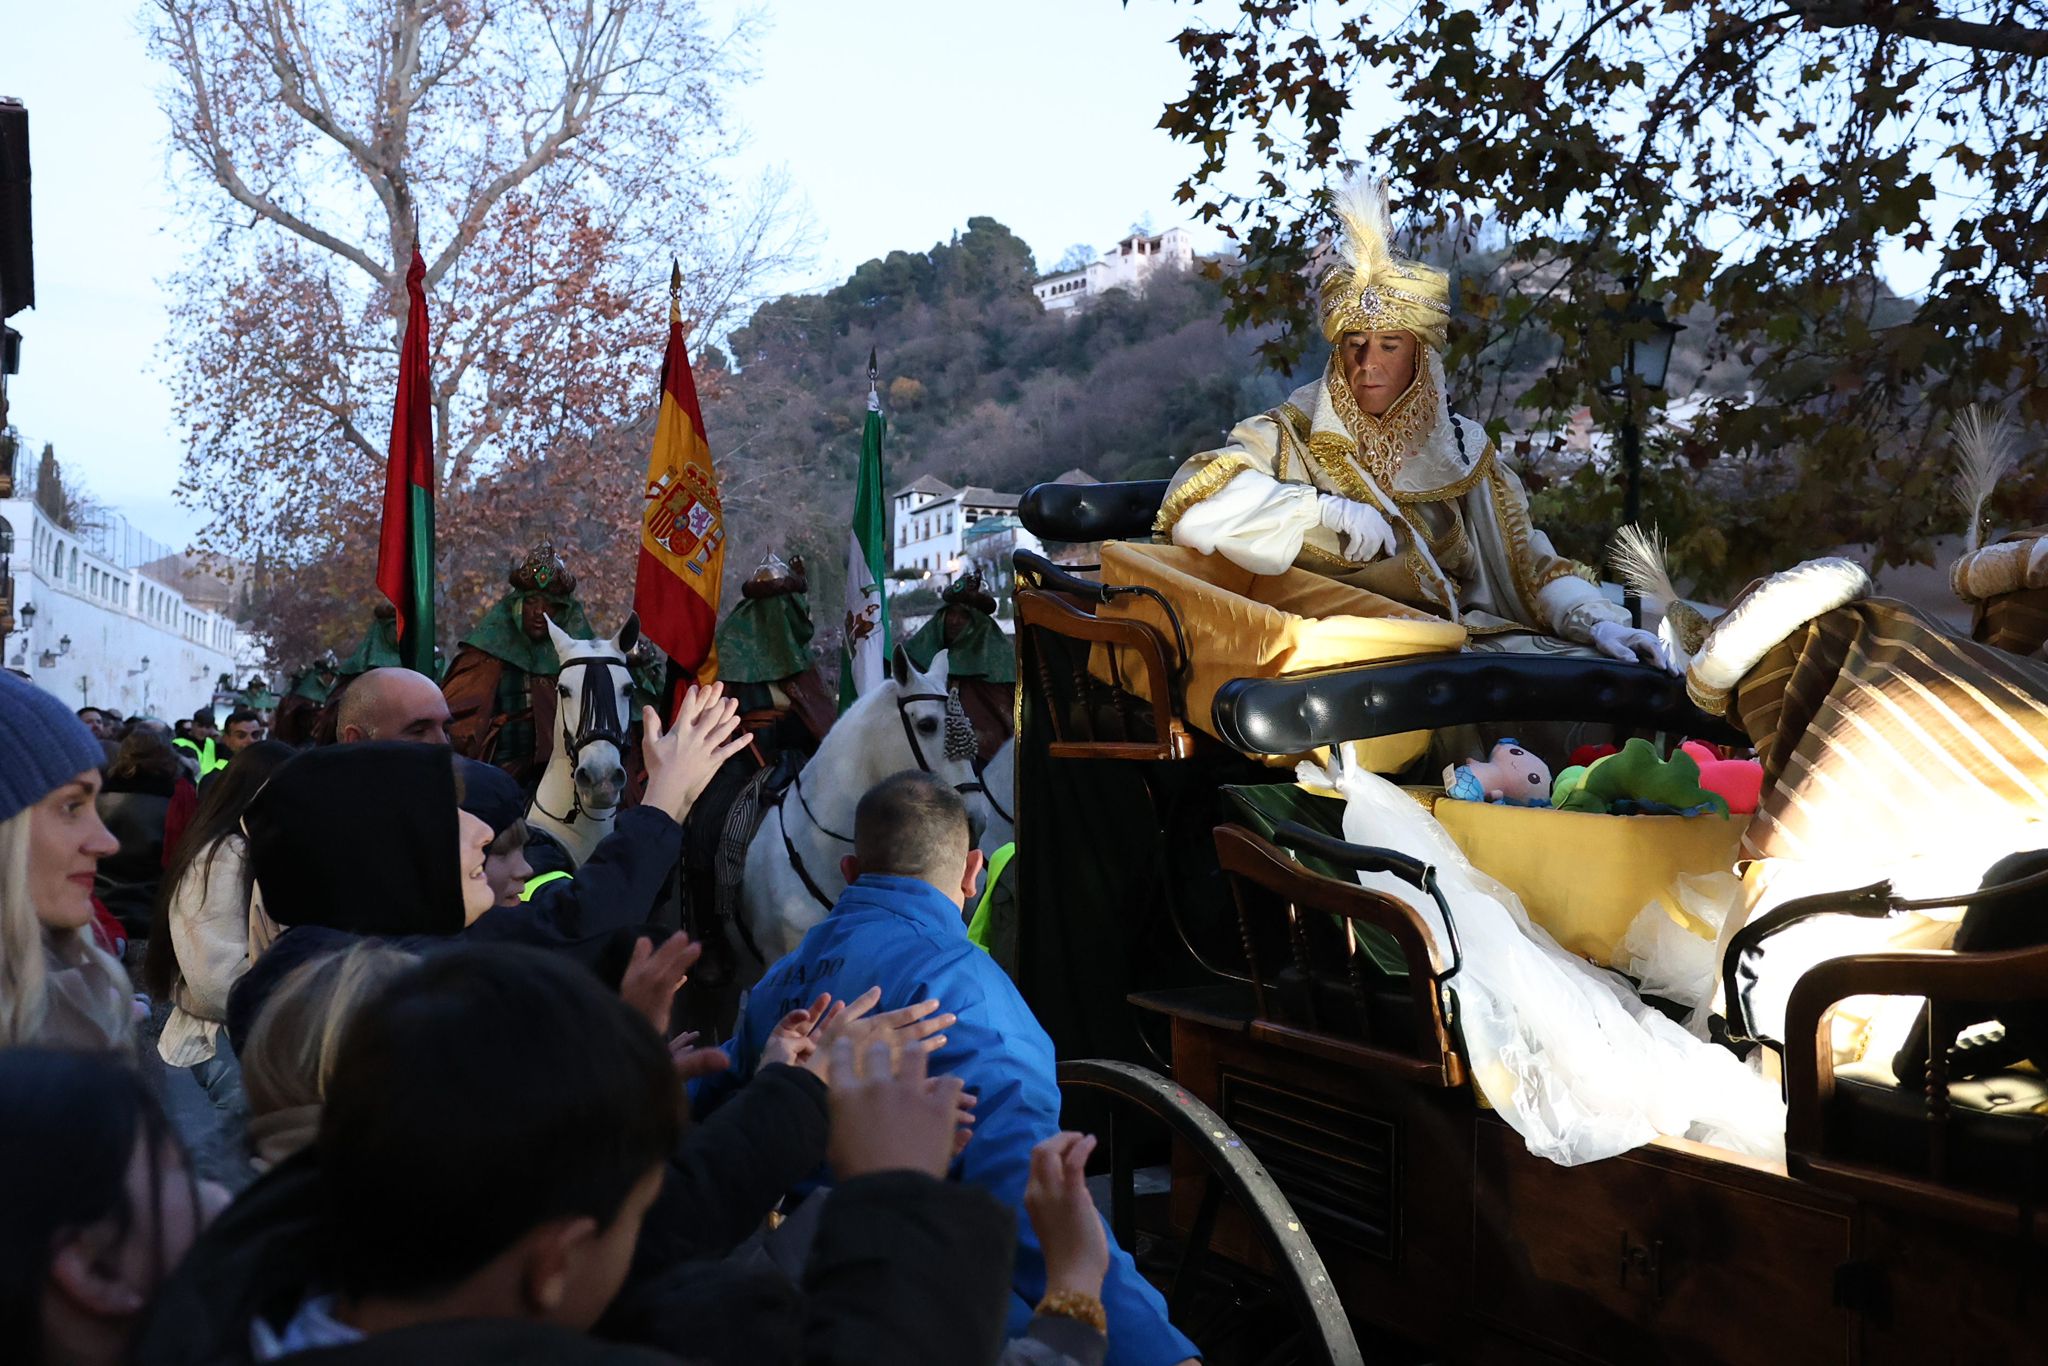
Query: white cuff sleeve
<point x="1254" y="521"/>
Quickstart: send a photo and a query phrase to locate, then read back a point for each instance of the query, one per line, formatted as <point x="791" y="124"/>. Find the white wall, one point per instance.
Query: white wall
<point x="927" y="537"/>
<point x="114" y="616"/>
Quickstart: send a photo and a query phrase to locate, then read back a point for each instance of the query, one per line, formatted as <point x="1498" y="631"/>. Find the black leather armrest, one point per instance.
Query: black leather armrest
<point x="1092" y="512"/>
<point x="1291" y="715"/>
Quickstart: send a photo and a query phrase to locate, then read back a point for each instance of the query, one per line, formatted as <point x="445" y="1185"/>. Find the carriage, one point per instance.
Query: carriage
<point x="1273" y="1052"/>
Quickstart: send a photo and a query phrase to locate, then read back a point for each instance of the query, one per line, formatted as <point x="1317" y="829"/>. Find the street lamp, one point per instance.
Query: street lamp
<point x="27" y="617"/>
<point x="1647" y="337"/>
<point x="63" y="645"/>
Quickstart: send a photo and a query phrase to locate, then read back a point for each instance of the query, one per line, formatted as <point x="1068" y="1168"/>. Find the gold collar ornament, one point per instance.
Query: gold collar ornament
<point x="1386" y="441"/>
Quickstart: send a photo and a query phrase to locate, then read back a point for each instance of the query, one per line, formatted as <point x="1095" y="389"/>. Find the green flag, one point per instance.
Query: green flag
<point x="864" y="651"/>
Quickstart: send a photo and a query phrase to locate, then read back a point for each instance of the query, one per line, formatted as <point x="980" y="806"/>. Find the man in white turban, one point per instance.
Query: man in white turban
<point x="1365" y="475"/>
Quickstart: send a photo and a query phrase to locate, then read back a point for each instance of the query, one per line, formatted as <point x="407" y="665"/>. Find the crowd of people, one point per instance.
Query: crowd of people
<point x="323" y="1052"/>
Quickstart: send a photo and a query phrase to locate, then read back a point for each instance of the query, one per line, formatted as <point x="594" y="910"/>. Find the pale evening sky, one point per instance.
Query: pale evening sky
<point x="895" y="122"/>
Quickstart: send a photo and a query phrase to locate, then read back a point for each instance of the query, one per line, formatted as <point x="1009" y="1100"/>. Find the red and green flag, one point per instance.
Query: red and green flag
<point x="682" y="523"/>
<point x="405" y="552"/>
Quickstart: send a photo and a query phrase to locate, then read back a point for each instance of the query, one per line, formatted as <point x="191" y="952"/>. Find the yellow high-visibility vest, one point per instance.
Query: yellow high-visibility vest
<point x="535" y="884"/>
<point x="977" y="928"/>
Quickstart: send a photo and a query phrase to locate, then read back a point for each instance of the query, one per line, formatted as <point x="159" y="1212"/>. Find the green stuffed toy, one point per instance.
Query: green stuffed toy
<point x="1636" y="781"/>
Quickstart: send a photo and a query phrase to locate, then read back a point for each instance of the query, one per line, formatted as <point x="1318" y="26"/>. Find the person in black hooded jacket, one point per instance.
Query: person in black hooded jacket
<point x="362" y="840"/>
<point x="583" y="911"/>
<point x="350" y="841"/>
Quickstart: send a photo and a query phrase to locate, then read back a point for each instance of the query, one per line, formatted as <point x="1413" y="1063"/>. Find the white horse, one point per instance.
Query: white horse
<point x="792" y="872"/>
<point x="578" y="797"/>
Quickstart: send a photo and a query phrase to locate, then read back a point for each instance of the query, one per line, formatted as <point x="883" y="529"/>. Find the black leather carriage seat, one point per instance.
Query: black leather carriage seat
<point x="1296" y="714"/>
<point x="1078" y="513"/>
<point x="1997" y="1127"/>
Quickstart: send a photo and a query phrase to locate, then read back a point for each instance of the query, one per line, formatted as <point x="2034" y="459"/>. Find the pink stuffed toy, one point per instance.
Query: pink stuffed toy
<point x="1740" y="781"/>
<point x="1511" y="775"/>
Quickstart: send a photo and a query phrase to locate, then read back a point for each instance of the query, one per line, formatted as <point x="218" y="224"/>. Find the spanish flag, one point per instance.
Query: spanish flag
<point x="405" y="548"/>
<point x="682" y="527"/>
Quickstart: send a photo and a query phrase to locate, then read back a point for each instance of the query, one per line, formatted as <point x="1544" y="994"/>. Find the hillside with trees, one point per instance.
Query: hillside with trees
<point x="980" y="384"/>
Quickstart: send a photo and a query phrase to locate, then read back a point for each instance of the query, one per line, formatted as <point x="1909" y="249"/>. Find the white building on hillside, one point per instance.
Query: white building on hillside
<point x="1124" y="266"/>
<point x="105" y="616"/>
<point x="932" y="522"/>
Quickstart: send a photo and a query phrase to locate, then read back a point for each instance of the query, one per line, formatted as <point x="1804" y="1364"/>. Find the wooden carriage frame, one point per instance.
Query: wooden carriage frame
<point x="1400" y="1195"/>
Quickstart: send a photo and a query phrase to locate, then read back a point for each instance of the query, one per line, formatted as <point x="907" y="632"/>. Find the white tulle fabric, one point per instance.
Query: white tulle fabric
<point x="1564" y="1051"/>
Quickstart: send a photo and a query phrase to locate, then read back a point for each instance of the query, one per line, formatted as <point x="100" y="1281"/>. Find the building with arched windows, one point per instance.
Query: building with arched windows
<point x="105" y="616"/>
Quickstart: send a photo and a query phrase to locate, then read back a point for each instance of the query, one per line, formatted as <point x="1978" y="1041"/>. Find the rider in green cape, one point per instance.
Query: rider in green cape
<point x="500" y="688"/>
<point x="764" y="658"/>
<point x="981" y="661"/>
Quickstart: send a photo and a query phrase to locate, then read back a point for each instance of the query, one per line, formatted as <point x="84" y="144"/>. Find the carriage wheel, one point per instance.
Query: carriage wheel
<point x="1140" y="1102"/>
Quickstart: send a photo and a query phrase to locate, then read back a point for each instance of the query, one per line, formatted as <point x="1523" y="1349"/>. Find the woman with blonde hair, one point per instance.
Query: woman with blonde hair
<point x="292" y="1047"/>
<point x="56" y="986"/>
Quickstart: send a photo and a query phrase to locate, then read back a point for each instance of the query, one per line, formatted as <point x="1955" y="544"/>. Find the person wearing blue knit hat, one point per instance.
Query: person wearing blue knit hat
<point x="56" y="986"/>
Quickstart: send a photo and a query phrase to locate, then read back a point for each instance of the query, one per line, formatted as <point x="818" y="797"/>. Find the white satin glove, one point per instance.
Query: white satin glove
<point x="1619" y="640"/>
<point x="1361" y="531"/>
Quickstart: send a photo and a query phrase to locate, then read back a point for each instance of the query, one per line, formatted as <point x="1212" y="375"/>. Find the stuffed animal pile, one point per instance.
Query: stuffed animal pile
<point x="1632" y="781"/>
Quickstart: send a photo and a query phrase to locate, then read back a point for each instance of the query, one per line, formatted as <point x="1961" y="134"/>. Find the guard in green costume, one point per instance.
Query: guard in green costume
<point x="317" y="682"/>
<point x="764" y="660"/>
<point x="297" y="720"/>
<point x="378" y="649"/>
<point x="501" y="687"/>
<point x="981" y="661"/>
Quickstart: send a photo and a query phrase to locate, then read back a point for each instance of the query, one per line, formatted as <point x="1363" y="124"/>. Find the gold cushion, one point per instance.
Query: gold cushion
<point x="1245" y="625"/>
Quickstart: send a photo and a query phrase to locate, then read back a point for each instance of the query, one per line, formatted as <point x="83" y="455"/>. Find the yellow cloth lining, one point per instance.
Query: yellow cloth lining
<point x="1584" y="877"/>
<point x="1245" y="625"/>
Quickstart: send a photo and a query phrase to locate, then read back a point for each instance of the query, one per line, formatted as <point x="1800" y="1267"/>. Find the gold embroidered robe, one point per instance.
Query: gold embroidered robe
<point x="1465" y="549"/>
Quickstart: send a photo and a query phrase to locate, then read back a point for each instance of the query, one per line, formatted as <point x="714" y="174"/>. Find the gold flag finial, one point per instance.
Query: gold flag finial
<point x="675" y="290"/>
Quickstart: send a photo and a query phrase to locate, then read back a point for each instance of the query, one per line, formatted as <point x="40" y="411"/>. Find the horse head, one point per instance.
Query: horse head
<point x="934" y="733"/>
<point x="594" y="704"/>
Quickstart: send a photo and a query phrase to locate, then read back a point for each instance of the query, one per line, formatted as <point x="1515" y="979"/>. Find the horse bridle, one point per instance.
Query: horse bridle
<point x="597" y="718"/>
<point x="960" y="744"/>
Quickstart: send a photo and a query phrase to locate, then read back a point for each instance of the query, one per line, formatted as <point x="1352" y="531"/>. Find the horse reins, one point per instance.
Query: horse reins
<point x="959" y="732"/>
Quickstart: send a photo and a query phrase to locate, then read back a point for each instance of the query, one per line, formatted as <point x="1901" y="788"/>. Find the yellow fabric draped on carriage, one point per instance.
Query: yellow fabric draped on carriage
<point x="1244" y="625"/>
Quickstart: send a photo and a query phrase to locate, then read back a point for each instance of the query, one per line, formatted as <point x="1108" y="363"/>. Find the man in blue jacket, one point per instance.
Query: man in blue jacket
<point x="898" y="925"/>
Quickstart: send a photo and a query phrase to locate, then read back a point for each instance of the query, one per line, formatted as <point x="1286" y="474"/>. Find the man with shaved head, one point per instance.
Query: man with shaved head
<point x="392" y="704"/>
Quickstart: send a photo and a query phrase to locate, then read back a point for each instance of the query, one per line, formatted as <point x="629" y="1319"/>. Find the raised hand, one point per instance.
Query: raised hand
<point x="1070" y="1232"/>
<point x="794" y="1038"/>
<point x="654" y="975"/>
<point x="681" y="760"/>
<point x="692" y="1062"/>
<point x="887" y="1115"/>
<point x="911" y="1028"/>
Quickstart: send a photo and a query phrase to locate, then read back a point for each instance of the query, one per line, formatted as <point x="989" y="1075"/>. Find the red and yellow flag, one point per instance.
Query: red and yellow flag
<point x="682" y="526"/>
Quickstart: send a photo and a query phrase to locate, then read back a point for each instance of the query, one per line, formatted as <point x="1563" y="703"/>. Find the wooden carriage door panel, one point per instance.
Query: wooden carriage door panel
<point x="1940" y="1294"/>
<point x="1654" y="1256"/>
